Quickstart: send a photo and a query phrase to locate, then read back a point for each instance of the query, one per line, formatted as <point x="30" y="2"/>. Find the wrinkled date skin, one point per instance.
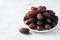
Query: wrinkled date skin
<point x="24" y="30"/>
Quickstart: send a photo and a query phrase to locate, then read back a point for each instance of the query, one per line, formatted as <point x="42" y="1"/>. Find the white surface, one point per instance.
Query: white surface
<point x="11" y="19"/>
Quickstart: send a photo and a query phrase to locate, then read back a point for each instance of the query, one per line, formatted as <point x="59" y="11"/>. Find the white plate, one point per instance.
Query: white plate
<point x="49" y="7"/>
<point x="44" y="30"/>
<point x="47" y="30"/>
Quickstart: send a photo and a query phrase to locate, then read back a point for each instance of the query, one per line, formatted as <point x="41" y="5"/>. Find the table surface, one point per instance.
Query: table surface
<point x="11" y="19"/>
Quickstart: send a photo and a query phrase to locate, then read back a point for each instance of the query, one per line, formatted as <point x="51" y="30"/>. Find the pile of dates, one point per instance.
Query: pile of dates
<point x="39" y="18"/>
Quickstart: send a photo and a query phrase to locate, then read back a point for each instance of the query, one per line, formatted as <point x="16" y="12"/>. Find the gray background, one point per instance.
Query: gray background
<point x="11" y="19"/>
